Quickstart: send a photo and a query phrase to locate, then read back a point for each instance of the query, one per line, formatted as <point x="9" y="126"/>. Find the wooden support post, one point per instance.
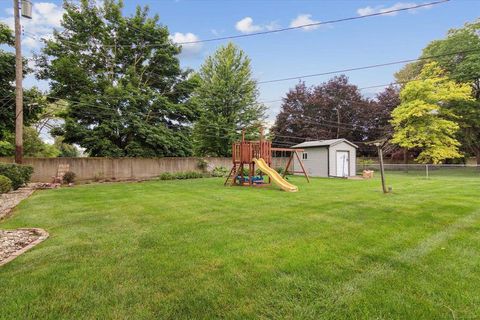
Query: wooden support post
<point x="288" y="165"/>
<point x="242" y="178"/>
<point x="301" y="165"/>
<point x="382" y="171"/>
<point x="251" y="168"/>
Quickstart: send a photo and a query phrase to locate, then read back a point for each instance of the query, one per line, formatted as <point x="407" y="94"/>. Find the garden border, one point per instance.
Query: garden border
<point x="43" y="235"/>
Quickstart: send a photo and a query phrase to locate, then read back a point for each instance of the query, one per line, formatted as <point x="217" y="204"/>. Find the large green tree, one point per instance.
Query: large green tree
<point x="227" y="97"/>
<point x="462" y="67"/>
<point x="121" y="77"/>
<point x="7" y="77"/>
<point x="423" y="119"/>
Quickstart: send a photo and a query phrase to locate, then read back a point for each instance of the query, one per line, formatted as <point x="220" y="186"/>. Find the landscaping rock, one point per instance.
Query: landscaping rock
<point x="15" y="242"/>
<point x="10" y="200"/>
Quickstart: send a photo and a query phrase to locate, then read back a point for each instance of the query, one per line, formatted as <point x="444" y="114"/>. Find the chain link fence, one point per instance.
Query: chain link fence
<point x="427" y="171"/>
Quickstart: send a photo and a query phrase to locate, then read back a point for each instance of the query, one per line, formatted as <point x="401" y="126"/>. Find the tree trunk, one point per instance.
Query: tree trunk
<point x="405" y="159"/>
<point x="477" y="155"/>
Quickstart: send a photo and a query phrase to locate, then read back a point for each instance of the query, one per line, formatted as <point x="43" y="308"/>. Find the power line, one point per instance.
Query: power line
<point x="187" y="123"/>
<point x="423" y="5"/>
<point x="330" y="124"/>
<point x="396" y="83"/>
<point x="286" y="143"/>
<point x="253" y="34"/>
<point x="269" y="101"/>
<point x="367" y="67"/>
<point x="108" y="114"/>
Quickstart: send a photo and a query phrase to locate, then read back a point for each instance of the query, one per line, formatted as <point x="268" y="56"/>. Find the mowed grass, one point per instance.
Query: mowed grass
<point x="193" y="249"/>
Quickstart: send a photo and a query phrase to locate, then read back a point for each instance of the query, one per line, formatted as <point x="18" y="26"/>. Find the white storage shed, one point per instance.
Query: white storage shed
<point x="327" y="158"/>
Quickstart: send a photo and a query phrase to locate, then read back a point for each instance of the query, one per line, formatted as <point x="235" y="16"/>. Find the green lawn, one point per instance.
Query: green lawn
<point x="193" y="249"/>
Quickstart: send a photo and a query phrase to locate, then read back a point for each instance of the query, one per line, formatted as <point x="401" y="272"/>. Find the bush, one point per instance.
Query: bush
<point x="27" y="172"/>
<point x="5" y="184"/>
<point x="69" y="177"/>
<point x="98" y="176"/>
<point x="194" y="175"/>
<point x="18" y="174"/>
<point x="166" y="176"/>
<point x="366" y="163"/>
<point x="219" y="172"/>
<point x="202" y="164"/>
<point x="181" y="175"/>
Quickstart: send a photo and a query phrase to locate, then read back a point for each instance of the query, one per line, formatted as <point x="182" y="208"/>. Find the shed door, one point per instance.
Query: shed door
<point x="342" y="163"/>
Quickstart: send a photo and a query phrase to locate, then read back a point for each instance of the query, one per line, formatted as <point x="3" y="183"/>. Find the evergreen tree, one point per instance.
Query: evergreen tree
<point x="227" y="97"/>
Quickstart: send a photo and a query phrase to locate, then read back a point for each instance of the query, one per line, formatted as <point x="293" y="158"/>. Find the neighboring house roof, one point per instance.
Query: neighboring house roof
<point x="323" y="143"/>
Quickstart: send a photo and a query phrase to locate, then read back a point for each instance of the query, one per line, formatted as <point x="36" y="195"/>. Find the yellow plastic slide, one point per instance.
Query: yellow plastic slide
<point x="275" y="176"/>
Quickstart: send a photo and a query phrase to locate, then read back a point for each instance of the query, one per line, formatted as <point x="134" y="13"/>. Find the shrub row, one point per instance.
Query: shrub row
<point x="19" y="175"/>
<point x="182" y="175"/>
<point x="216" y="172"/>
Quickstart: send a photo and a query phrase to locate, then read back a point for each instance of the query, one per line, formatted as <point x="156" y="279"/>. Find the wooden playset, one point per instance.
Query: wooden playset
<point x="257" y="154"/>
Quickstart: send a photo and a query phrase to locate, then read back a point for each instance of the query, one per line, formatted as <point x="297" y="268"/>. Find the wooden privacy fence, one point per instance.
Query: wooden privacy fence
<point x="121" y="168"/>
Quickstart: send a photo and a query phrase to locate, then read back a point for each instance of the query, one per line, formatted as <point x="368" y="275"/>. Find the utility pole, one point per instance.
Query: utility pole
<point x="18" y="86"/>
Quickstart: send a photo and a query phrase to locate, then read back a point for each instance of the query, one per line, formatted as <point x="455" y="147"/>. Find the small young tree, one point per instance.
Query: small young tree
<point x="227" y="98"/>
<point x="463" y="66"/>
<point x="423" y="119"/>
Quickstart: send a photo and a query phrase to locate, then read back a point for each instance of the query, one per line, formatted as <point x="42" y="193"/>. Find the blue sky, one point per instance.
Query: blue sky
<point x="342" y="45"/>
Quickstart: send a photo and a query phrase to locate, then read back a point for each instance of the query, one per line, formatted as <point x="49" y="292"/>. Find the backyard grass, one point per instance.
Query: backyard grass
<point x="193" y="249"/>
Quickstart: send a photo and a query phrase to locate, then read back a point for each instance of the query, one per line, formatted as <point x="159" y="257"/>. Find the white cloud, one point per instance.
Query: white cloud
<point x="380" y="9"/>
<point x="30" y="42"/>
<point x="45" y="17"/>
<point x="303" y="19"/>
<point x="188" y="49"/>
<point x="272" y="26"/>
<point x="47" y="13"/>
<point x="246" y="26"/>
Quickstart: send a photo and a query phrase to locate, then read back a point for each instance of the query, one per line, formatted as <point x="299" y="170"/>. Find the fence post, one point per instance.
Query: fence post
<point x="426" y="170"/>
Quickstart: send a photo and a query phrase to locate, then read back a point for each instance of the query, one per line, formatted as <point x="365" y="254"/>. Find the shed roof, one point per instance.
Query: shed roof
<point x="323" y="143"/>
